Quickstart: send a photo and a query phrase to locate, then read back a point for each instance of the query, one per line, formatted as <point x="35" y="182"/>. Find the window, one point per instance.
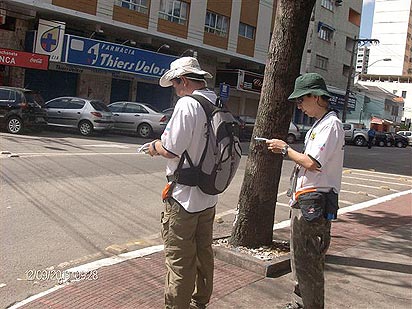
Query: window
<point x="135" y="108"/>
<point x="216" y="24"/>
<point x="116" y="108"/>
<point x="75" y="104"/>
<point x="174" y="11"/>
<point x="135" y="5"/>
<point x="345" y="70"/>
<point x="325" y="32"/>
<point x="4" y="95"/>
<point x="327" y="4"/>
<point x="58" y="103"/>
<point x="321" y="62"/>
<point x="246" y="31"/>
<point x="404" y="94"/>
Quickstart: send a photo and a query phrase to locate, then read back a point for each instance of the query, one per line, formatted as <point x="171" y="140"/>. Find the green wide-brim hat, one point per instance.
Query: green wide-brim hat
<point x="309" y="83"/>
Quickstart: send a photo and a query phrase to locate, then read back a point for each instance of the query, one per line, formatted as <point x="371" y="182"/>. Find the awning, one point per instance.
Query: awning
<point x="323" y="25"/>
<point x="377" y="120"/>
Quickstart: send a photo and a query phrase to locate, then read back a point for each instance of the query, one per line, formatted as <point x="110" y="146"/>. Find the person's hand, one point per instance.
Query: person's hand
<point x="275" y="145"/>
<point x="153" y="148"/>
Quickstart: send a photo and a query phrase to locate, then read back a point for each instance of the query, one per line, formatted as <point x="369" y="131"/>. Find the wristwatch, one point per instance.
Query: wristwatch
<point x="154" y="147"/>
<point x="284" y="151"/>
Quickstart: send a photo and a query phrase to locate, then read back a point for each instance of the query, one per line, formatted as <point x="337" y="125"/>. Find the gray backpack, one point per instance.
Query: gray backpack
<point x="221" y="155"/>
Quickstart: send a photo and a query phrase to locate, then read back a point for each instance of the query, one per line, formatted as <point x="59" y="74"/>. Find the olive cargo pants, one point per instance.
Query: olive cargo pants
<point x="309" y="242"/>
<point x="188" y="251"/>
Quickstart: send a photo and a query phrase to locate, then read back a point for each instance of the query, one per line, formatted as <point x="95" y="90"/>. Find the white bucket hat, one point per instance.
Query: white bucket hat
<point x="180" y="67"/>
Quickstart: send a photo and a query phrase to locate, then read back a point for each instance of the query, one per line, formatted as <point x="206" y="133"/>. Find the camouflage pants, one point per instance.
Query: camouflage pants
<point x="309" y="243"/>
<point x="189" y="256"/>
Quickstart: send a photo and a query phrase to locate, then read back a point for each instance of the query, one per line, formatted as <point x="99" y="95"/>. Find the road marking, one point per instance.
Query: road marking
<point x="395" y="177"/>
<point x="358" y="192"/>
<point x="374" y="172"/>
<point x="365" y="186"/>
<point x="57" y="154"/>
<point x="354" y="207"/>
<point x="381" y="181"/>
<point x="107" y="146"/>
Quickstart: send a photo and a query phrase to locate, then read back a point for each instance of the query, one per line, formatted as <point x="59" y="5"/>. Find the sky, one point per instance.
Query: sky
<point x="367" y="19"/>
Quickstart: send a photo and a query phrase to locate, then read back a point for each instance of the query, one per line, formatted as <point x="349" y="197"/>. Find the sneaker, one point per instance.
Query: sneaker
<point x="293" y="306"/>
<point x="195" y="305"/>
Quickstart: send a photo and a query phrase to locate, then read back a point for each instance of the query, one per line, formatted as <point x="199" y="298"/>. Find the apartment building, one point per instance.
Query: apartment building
<point x="117" y="49"/>
<point x="392" y="26"/>
<point x="362" y="60"/>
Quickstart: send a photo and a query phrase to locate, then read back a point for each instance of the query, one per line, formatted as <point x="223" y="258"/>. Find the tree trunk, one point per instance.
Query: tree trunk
<point x="253" y="225"/>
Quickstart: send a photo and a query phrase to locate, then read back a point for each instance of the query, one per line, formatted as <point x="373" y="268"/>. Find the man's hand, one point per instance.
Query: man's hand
<point x="275" y="145"/>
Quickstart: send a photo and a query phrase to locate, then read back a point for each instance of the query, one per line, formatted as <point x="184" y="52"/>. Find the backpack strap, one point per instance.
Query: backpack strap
<point x="189" y="176"/>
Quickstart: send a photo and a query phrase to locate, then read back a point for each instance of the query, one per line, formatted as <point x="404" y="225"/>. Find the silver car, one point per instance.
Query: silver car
<point x="137" y="117"/>
<point x="84" y="114"/>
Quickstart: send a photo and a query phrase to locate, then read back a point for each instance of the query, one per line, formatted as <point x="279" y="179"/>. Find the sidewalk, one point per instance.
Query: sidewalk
<point x="369" y="265"/>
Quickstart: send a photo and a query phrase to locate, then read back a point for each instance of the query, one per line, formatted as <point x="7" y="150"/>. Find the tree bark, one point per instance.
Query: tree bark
<point x="253" y="226"/>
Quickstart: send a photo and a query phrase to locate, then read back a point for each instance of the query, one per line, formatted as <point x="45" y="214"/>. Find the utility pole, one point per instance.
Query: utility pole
<point x="349" y="81"/>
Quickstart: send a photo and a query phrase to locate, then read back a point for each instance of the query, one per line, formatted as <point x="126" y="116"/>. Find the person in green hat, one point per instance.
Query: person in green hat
<point x="315" y="185"/>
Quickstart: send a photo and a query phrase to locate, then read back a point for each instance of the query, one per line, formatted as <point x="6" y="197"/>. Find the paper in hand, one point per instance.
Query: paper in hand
<point x="144" y="148"/>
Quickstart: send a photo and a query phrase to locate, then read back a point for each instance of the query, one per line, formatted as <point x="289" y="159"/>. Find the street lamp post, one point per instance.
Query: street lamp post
<point x="348" y="84"/>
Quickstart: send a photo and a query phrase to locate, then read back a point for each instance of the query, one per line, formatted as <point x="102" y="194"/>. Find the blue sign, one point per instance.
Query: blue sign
<point x="116" y="57"/>
<point x="224" y="91"/>
<point x="337" y="101"/>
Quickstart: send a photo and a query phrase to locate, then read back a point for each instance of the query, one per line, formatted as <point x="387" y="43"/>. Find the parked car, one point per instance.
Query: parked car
<point x="356" y="134"/>
<point x="247" y="123"/>
<point x="407" y="134"/>
<point x="138" y="117"/>
<point x="21" y="108"/>
<point x="397" y="140"/>
<point x="84" y="114"/>
<point x="382" y="139"/>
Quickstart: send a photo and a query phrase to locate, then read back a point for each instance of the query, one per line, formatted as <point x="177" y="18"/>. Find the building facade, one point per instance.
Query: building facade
<point x="116" y="49"/>
<point x="392" y="26"/>
<point x="362" y="60"/>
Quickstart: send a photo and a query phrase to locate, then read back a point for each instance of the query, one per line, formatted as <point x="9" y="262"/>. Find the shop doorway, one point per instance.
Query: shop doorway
<point x="155" y="95"/>
<point x="120" y="90"/>
<point x="51" y="84"/>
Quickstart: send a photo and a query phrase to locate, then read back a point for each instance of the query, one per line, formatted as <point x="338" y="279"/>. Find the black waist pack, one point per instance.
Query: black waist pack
<point x="312" y="205"/>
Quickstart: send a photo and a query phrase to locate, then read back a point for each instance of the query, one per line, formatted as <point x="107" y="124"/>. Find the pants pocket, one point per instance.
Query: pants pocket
<point x="164" y="220"/>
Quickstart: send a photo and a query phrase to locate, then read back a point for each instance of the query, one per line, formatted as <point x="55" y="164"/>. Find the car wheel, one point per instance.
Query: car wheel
<point x="144" y="130"/>
<point x="290" y="139"/>
<point x="399" y="144"/>
<point x="14" y="125"/>
<point x="359" y="141"/>
<point x="381" y="143"/>
<point x="85" y="128"/>
<point x="388" y="144"/>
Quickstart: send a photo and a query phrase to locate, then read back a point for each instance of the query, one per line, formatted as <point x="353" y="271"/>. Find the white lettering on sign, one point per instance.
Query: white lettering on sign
<point x="38" y="60"/>
<point x="7" y="59"/>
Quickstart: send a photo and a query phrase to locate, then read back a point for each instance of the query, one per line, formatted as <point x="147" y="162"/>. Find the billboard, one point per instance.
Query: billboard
<point x="109" y="56"/>
<point x="18" y="58"/>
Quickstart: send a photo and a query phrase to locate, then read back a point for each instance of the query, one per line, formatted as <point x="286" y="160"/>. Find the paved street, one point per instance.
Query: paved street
<point x="67" y="200"/>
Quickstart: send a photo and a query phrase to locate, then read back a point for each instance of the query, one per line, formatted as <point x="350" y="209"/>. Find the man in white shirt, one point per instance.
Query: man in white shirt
<point x="187" y="220"/>
<point x="314" y="192"/>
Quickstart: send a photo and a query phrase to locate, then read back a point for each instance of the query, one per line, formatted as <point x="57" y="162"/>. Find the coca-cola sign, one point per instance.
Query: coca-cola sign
<point x="18" y="58"/>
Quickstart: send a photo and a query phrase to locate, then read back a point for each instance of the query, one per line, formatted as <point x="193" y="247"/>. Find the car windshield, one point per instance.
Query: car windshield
<point x="34" y="97"/>
<point x="151" y="107"/>
<point x="100" y="106"/>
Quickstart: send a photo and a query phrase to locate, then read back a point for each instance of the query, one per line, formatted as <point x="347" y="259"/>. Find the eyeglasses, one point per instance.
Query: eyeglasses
<point x="299" y="100"/>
